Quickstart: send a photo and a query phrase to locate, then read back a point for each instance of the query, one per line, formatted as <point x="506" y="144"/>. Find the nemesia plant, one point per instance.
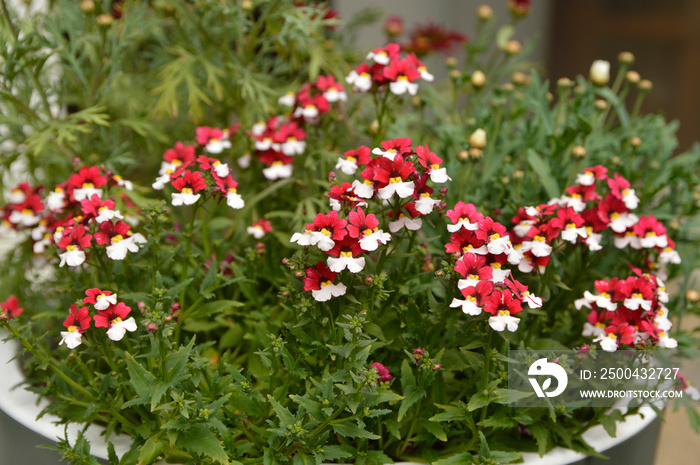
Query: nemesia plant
<point x="329" y="258"/>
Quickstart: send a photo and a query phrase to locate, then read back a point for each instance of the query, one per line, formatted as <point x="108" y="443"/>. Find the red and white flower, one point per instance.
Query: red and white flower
<point x="259" y="229"/>
<point x="402" y="75"/>
<point x="214" y="140"/>
<point x="188" y="185"/>
<point x="384" y="55"/>
<point x="278" y="170"/>
<point x="10" y="308"/>
<point x="523" y="293"/>
<point x="101" y="211"/>
<point x="100" y="299"/>
<point x="327" y="230"/>
<point x="114" y="318"/>
<point x="366" y="229"/>
<point x="76" y="323"/>
<point x="353" y="159"/>
<point x="74" y="241"/>
<point x="475" y="298"/>
<point x="391" y="148"/>
<point x="319" y="280"/>
<point x="86" y="182"/>
<point x="503" y="306"/>
<point x="494" y="234"/>
<point x="118" y="239"/>
<point x="473" y="269"/>
<point x="463" y="216"/>
<point x="412" y="221"/>
<point x="394" y="176"/>
<point x="620" y="188"/>
<point x="177" y="157"/>
<point x="431" y="163"/>
<point x="345" y="256"/>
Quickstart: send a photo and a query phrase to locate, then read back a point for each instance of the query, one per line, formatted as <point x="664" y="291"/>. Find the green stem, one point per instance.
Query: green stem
<point x="6" y="14"/>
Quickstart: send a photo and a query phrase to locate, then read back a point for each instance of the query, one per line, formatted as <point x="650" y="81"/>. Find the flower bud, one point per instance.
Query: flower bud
<point x="635" y="141"/>
<point x="518" y="8"/>
<point x="519" y="78"/>
<point x="478" y="78"/>
<point x="141" y="305"/>
<point x="299" y="274"/>
<point x="393" y="26"/>
<point x="655" y="164"/>
<point x="484" y="12"/>
<point x="87" y="6"/>
<point x="451" y="62"/>
<point x="475" y="154"/>
<point x="579" y="90"/>
<point x="615" y="160"/>
<point x="645" y="85"/>
<point x="513" y="47"/>
<point x="600" y="104"/>
<point x="505" y="179"/>
<point x="478" y="139"/>
<point x="600" y="72"/>
<point x="369" y="280"/>
<point x="151" y="327"/>
<point x="463" y="154"/>
<point x="626" y="58"/>
<point x="332" y="176"/>
<point x="633" y="77"/>
<point x="578" y="152"/>
<point x="427" y="266"/>
<point x="675" y="225"/>
<point x="436" y="367"/>
<point x="285" y="261"/>
<point x="374" y="127"/>
<point x="692" y="295"/>
<point x="443" y="192"/>
<point x="564" y="83"/>
<point x="260" y="248"/>
<point x="174" y="307"/>
<point x="105" y="20"/>
<point x="416" y="100"/>
<point x="518" y="174"/>
<point x="247" y="5"/>
<point x="455" y="74"/>
<point x="417" y="354"/>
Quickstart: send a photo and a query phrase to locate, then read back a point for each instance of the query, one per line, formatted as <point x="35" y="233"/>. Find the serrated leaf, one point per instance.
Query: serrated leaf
<point x="435" y="429"/>
<point x="478" y="401"/>
<point x="202" y="441"/>
<point x="463" y="458"/>
<point x="412" y="394"/>
<point x="150" y="451"/>
<point x="351" y="430"/>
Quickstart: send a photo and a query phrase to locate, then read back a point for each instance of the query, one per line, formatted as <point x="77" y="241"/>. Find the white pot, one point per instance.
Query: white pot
<point x="22" y="406"/>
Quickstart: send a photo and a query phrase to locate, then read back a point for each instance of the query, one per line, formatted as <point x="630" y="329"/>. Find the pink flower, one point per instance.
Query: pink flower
<point x="383" y="372"/>
<point x="114" y="318"/>
<point x="327" y="230"/>
<point x="319" y="280"/>
<point x="10" y="308"/>
<point x="464" y="216"/>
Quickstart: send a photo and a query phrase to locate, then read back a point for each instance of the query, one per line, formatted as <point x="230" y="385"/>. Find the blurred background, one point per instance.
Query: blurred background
<point x="568" y="36"/>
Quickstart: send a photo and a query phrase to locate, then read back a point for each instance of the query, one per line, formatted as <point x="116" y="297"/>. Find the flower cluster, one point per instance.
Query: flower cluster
<point x="110" y="314"/>
<point x="387" y="67"/>
<point x="596" y="203"/>
<point x="190" y="174"/>
<point x="481" y="247"/>
<point x="430" y="37"/>
<point x="628" y="312"/>
<point x="313" y="100"/>
<point x="393" y="173"/>
<point x="74" y="213"/>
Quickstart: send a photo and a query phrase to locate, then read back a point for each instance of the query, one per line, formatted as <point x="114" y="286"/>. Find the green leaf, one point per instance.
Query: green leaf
<point x="509" y="396"/>
<point x="150" y="451"/>
<point x="351" y="430"/>
<point x="407" y="377"/>
<point x="173" y="292"/>
<point x="609" y="422"/>
<point x="392" y="426"/>
<point x="463" y="458"/>
<point x="286" y="418"/>
<point x="201" y="440"/>
<point x="335" y="453"/>
<point x="412" y="395"/>
<point x="141" y="379"/>
<point x="541" y="434"/>
<point x="435" y="429"/>
<point x="303" y="459"/>
<point x="484" y="451"/>
<point x="544" y="173"/>
<point x="478" y="401"/>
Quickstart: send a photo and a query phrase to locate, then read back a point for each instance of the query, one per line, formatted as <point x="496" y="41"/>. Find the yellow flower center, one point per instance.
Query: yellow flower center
<point x="326" y="283"/>
<point x="346" y="254"/>
<point x="368" y="182"/>
<point x="72" y="329"/>
<point x="651" y="234"/>
<point x="116" y="177"/>
<point x="612" y="336"/>
<point x="177" y="162"/>
<point x="637" y="295"/>
<point x="88" y="185"/>
<point x="27" y="211"/>
<point x="467" y="247"/>
<point x="605" y="295"/>
<point x="116" y="320"/>
<point x="403" y="78"/>
<point x="216" y="163"/>
<point x="117" y="238"/>
<point x="425" y="194"/>
<point x="570" y="226"/>
<point x="614" y="215"/>
<point x="71" y="248"/>
<point x="292" y="139"/>
<point x="600" y="325"/>
<point x="365" y="75"/>
<point x="495" y="236"/>
<point x="367" y="232"/>
<point x="662" y="334"/>
<point x="538" y="238"/>
<point x="232" y="190"/>
<point x="503" y="313"/>
<point x="471" y="298"/>
<point x="100" y="297"/>
<point x="186" y="190"/>
<point x="101" y="209"/>
<point x="435" y="166"/>
<point x="496" y="265"/>
<point x="59" y="190"/>
<point x="277" y="163"/>
<point x="576" y="196"/>
<point x="625" y="192"/>
<point x="395" y="180"/>
<point x="325" y="232"/>
<point x="352" y="159"/>
<point x="473" y="276"/>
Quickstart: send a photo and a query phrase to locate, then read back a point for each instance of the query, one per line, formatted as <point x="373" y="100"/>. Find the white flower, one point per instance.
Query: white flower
<point x="607" y="342"/>
<point x="119" y="328"/>
<point x="380" y="57"/>
<point x="576" y="202"/>
<point x="278" y="171"/>
<point x="498" y="274"/>
<point x="346" y="260"/>
<point x="56" y="200"/>
<point x="167" y="167"/>
<point x="571" y="233"/>
<point x="287" y="100"/>
<point x="107" y="214"/>
<point x="333" y="95"/>
<point x="256" y="231"/>
<point x="264" y="144"/>
<point x="328" y="290"/>
<point x="469" y="306"/>
<point x="360" y="82"/>
<point x="425" y="204"/>
<point x="439" y="176"/>
<point x="86" y="193"/>
<point x="515" y="254"/>
<point x="244" y="161"/>
<point x="292" y="147"/>
<point x="463" y="223"/>
<point x="600" y="72"/>
<point x="405" y="222"/>
<point x="468" y="282"/>
<point x="370" y="242"/>
<point x="620" y="222"/>
<point x="582" y="302"/>
<point x="628" y="239"/>
<point x="425" y="74"/>
<point x="595" y="330"/>
<point x="603" y="301"/>
<point x="72" y="338"/>
<point x="532" y="300"/>
<point x="637" y="301"/>
<point x="102" y="302"/>
<point x="651" y="240"/>
<point x="396" y="186"/>
<point x="217" y="146"/>
<point x="184" y="198"/>
<point x="322" y="239"/>
<point x="390" y="154"/>
<point x="363" y="189"/>
<point x="538" y="247"/>
<point x="121" y="182"/>
<point x="221" y="169"/>
<point x="119" y="246"/>
<point x="477" y="139"/>
<point x="585" y="179"/>
<point x="346" y="165"/>
<point x="25" y="217"/>
<point x="498" y="245"/>
<point x="504" y="320"/>
<point x="629" y="197"/>
<point x="73" y="256"/>
<point x="303" y="239"/>
<point x="669" y="255"/>
<point x="234" y="200"/>
<point x="692" y="391"/>
<point x="666" y="342"/>
<point x="403" y="85"/>
<point x="161" y="181"/>
<point x="258" y="128"/>
<point x="16" y="196"/>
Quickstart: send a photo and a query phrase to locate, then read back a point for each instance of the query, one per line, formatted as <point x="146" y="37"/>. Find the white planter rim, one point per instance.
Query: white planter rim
<point x="24" y="406"/>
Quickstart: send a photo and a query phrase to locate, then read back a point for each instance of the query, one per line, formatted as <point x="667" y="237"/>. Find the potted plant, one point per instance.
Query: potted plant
<point x="299" y="275"/>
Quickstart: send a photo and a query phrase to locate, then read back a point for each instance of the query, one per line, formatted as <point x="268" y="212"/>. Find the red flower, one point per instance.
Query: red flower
<point x="190" y="182"/>
<point x="361" y="155"/>
<point x="474" y="267"/>
<point x="87" y="177"/>
<point x="93" y="205"/>
<point x="465" y="241"/>
<point x="479" y="293"/>
<point x="318" y="277"/>
<point x="76" y="238"/>
<point x="464" y="215"/>
<point x="399" y="70"/>
<point x="432" y="38"/>
<point x="109" y="230"/>
<point x="361" y="224"/>
<point x="331" y="225"/>
<point x="10" y="308"/>
<point x="383" y="372"/>
<point x="104" y="318"/>
<point x="502" y="301"/>
<point x="79" y="319"/>
<point x="181" y="154"/>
